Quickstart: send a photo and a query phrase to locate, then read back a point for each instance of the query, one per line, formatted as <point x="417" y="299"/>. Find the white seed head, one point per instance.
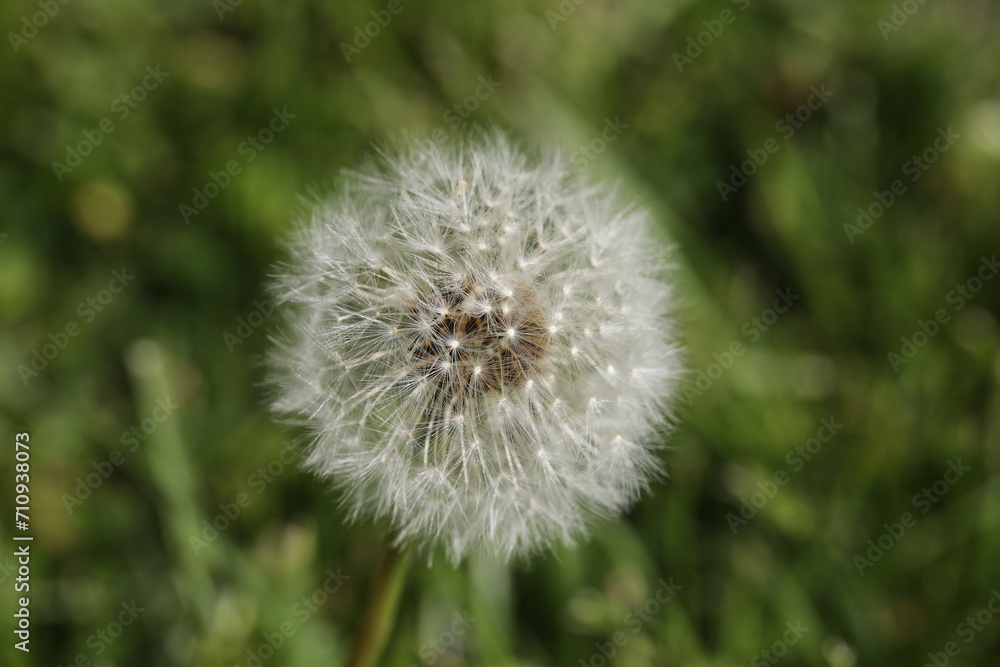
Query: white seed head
<point x="479" y="346"/>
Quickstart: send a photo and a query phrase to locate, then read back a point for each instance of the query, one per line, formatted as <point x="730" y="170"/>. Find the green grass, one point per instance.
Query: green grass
<point x="174" y="331"/>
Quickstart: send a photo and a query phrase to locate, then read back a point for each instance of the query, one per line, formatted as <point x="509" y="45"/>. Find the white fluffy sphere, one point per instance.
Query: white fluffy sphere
<point x="479" y="346"/>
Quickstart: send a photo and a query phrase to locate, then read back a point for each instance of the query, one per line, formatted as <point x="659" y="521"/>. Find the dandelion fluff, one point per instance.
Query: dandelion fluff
<point x="479" y="347"/>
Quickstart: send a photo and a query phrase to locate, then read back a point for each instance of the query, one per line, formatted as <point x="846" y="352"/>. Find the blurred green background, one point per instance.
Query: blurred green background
<point x="157" y="99"/>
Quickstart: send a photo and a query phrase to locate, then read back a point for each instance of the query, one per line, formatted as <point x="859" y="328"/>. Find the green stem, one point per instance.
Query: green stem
<point x="380" y="613"/>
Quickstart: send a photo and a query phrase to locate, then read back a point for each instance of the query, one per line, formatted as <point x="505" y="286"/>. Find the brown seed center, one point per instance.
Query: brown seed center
<point x="471" y="339"/>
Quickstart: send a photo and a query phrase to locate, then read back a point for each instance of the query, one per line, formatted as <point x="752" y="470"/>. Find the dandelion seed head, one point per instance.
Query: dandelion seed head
<point x="456" y="319"/>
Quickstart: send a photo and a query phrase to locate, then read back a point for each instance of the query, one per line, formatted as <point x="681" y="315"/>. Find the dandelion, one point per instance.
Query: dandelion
<point x="479" y="347"/>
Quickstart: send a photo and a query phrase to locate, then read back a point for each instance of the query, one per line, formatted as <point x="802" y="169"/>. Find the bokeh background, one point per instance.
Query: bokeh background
<point x="667" y="97"/>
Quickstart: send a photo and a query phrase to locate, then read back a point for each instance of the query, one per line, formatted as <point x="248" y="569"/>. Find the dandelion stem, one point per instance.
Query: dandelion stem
<point x="380" y="612"/>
